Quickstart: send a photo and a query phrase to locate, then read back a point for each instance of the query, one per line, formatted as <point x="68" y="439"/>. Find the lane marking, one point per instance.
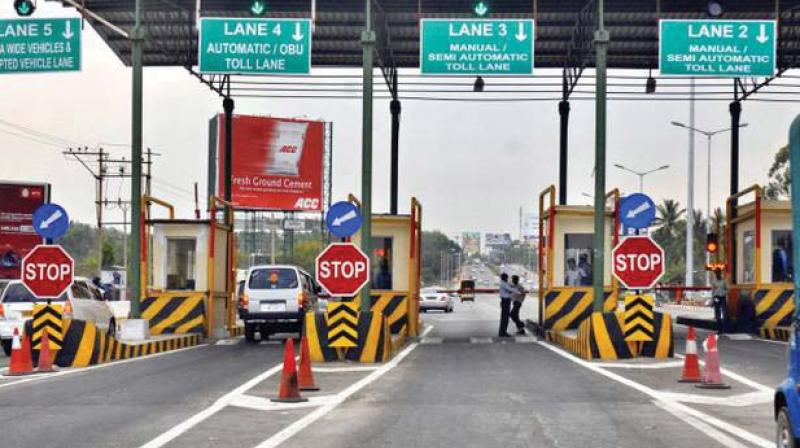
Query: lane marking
<point x="431" y="340"/>
<point x="740" y="400"/>
<point x="172" y="433"/>
<point x="736" y="377"/>
<point x="338" y="399"/>
<point x="719" y="436"/>
<point x="708" y="419"/>
<point x="265" y="404"/>
<point x="474" y="340"/>
<point x="344" y="369"/>
<point x="655" y="365"/>
<point x="70" y="371"/>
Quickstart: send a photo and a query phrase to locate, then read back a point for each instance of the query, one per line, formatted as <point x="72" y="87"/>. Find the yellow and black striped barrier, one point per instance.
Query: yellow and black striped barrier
<point x="566" y="308"/>
<point x="175" y="313"/>
<point x="639" y="318"/>
<point x="395" y="307"/>
<point x="342" y="324"/>
<point x="84" y="345"/>
<point x="374" y="339"/>
<point x="601" y="337"/>
<point x="775" y="334"/>
<point x="774" y="306"/>
<point x="316" y="332"/>
<point x="47" y="318"/>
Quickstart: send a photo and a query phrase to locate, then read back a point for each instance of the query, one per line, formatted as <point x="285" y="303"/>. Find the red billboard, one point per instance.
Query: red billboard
<point x="277" y="163"/>
<point x="18" y="201"/>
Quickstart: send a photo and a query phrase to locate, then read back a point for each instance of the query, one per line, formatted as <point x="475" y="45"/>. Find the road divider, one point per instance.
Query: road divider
<point x="175" y="313"/>
<point x="566" y="308"/>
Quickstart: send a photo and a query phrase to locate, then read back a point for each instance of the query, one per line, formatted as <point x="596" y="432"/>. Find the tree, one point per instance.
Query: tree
<point x="434" y="243"/>
<point x="780" y="178"/>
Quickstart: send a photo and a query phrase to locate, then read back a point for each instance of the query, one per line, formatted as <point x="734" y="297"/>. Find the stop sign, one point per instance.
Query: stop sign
<point x="342" y="269"/>
<point x="47" y="271"/>
<point x="638" y="262"/>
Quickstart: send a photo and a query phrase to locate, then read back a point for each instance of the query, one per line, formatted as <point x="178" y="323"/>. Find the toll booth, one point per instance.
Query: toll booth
<point x="395" y="273"/>
<point x="188" y="271"/>
<point x="565" y="244"/>
<point x="758" y="262"/>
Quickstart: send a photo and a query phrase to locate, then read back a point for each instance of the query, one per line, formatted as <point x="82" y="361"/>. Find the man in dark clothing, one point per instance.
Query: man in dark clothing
<point x="506" y="291"/>
<point x="517" y="298"/>
<point x="586" y="270"/>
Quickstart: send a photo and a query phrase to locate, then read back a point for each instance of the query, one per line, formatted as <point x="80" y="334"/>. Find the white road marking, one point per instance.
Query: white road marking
<point x="338" y="399"/>
<point x="475" y="340"/>
<point x="739" y="337"/>
<point x="223" y="401"/>
<point x="344" y="369"/>
<point x="739" y="400"/>
<point x="265" y="404"/>
<point x="708" y="430"/>
<point x="708" y="419"/>
<point x="738" y="378"/>
<point x="229" y="341"/>
<point x="653" y="365"/>
<point x="70" y="371"/>
<point x="431" y="340"/>
<point x="525" y="339"/>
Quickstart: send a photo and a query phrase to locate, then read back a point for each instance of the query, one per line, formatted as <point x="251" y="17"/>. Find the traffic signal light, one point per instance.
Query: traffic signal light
<point x="258" y="7"/>
<point x="712" y="243"/>
<point x="480" y="8"/>
<point x="24" y="7"/>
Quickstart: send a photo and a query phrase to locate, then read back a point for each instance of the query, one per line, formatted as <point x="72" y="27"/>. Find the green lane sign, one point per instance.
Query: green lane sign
<point x="729" y="48"/>
<point x="254" y="46"/>
<point x="476" y="47"/>
<point x="40" y="45"/>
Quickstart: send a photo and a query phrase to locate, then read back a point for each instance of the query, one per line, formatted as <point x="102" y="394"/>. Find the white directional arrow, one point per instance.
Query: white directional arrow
<point x="521" y="32"/>
<point x="643" y="207"/>
<point x="52" y="218"/>
<point x="339" y="220"/>
<point x="762" y="36"/>
<point x="298" y="35"/>
<point x="68" y="32"/>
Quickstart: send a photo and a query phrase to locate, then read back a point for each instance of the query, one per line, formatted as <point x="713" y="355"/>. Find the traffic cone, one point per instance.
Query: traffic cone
<point x="712" y="376"/>
<point x="691" y="364"/>
<point x="305" y="378"/>
<point x="289" y="392"/>
<point x="20" y="363"/>
<point x="45" y="355"/>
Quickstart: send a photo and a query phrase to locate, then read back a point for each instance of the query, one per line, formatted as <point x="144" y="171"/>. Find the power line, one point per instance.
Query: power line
<point x="28" y="137"/>
<point x="39" y="134"/>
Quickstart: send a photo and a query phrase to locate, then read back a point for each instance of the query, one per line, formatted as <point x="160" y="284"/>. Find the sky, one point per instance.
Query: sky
<point x="472" y="165"/>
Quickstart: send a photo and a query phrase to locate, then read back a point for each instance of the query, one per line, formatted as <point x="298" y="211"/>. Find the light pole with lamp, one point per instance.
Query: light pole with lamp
<point x="641" y="174"/>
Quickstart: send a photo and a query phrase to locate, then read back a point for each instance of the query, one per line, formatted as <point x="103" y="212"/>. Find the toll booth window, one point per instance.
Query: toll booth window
<point x="382" y="263"/>
<point x="578" y="259"/>
<point x="276" y="278"/>
<point x="181" y="263"/>
<point x="748" y="257"/>
<point x="782" y="268"/>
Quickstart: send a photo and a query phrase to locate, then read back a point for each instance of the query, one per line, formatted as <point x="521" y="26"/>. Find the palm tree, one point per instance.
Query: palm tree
<point x="668" y="217"/>
<point x="717" y="220"/>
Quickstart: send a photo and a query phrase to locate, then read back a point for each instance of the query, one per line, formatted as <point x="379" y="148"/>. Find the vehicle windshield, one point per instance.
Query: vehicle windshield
<point x="18" y="293"/>
<point x="273" y="278"/>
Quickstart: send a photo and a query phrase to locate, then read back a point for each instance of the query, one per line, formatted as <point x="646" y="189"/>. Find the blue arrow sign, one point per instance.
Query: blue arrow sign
<point x="637" y="211"/>
<point x="50" y="221"/>
<point x="344" y="219"/>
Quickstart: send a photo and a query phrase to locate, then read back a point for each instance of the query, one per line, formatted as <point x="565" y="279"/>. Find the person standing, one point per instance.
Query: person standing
<point x="585" y="269"/>
<point x="719" y="294"/>
<point x="573" y="275"/>
<point x="517" y="298"/>
<point x="506" y="291"/>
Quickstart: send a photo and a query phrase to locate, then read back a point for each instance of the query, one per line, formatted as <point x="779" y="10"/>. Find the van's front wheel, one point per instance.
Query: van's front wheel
<point x="784" y="435"/>
<point x="249" y="332"/>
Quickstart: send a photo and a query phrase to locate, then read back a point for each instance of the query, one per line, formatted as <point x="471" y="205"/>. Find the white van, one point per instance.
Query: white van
<point x="274" y="299"/>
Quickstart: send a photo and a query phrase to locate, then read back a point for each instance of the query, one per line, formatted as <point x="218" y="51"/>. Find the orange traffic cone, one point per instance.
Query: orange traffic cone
<point x="691" y="365"/>
<point x="45" y="355"/>
<point x="20" y="363"/>
<point x="305" y="378"/>
<point x="289" y="392"/>
<point x="712" y="376"/>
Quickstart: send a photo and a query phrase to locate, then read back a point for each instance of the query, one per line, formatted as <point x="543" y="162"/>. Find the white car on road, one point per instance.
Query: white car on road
<point x="82" y="301"/>
<point x="435" y="299"/>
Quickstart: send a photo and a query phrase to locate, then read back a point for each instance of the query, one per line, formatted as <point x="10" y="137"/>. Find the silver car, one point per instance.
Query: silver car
<point x="435" y="299"/>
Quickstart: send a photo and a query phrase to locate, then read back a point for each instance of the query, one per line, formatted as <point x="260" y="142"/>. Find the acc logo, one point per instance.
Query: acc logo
<point x="289" y="149"/>
<point x="307" y="204"/>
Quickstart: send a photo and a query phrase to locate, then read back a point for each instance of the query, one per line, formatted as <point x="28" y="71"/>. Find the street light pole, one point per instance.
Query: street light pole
<point x="641" y="174"/>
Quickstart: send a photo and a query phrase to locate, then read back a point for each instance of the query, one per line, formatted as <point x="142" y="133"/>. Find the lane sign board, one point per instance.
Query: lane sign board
<point x="254" y="46"/>
<point x="342" y="269"/>
<point x="343" y="219"/>
<point x="50" y="221"/>
<point x="40" y="45"/>
<point x="727" y="48"/>
<point x="638" y="262"/>
<point x="47" y="271"/>
<point x="637" y="211"/>
<point x="476" y="47"/>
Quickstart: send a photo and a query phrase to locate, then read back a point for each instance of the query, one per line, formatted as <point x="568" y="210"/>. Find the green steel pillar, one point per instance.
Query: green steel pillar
<point x="368" y="44"/>
<point x="794" y="166"/>
<point x="135" y="260"/>
<point x="601" y="47"/>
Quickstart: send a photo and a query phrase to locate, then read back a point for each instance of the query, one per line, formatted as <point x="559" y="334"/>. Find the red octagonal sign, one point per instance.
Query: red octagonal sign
<point x="638" y="262"/>
<point x="342" y="269"/>
<point x="48" y="271"/>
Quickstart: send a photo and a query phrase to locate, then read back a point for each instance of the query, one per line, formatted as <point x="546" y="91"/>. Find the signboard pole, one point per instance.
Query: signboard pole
<point x="601" y="47"/>
<point x="368" y="44"/>
<point x="135" y="267"/>
<point x="227" y="106"/>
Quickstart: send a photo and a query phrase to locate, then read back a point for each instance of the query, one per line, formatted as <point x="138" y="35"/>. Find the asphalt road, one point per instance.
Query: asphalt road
<point x="459" y="386"/>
